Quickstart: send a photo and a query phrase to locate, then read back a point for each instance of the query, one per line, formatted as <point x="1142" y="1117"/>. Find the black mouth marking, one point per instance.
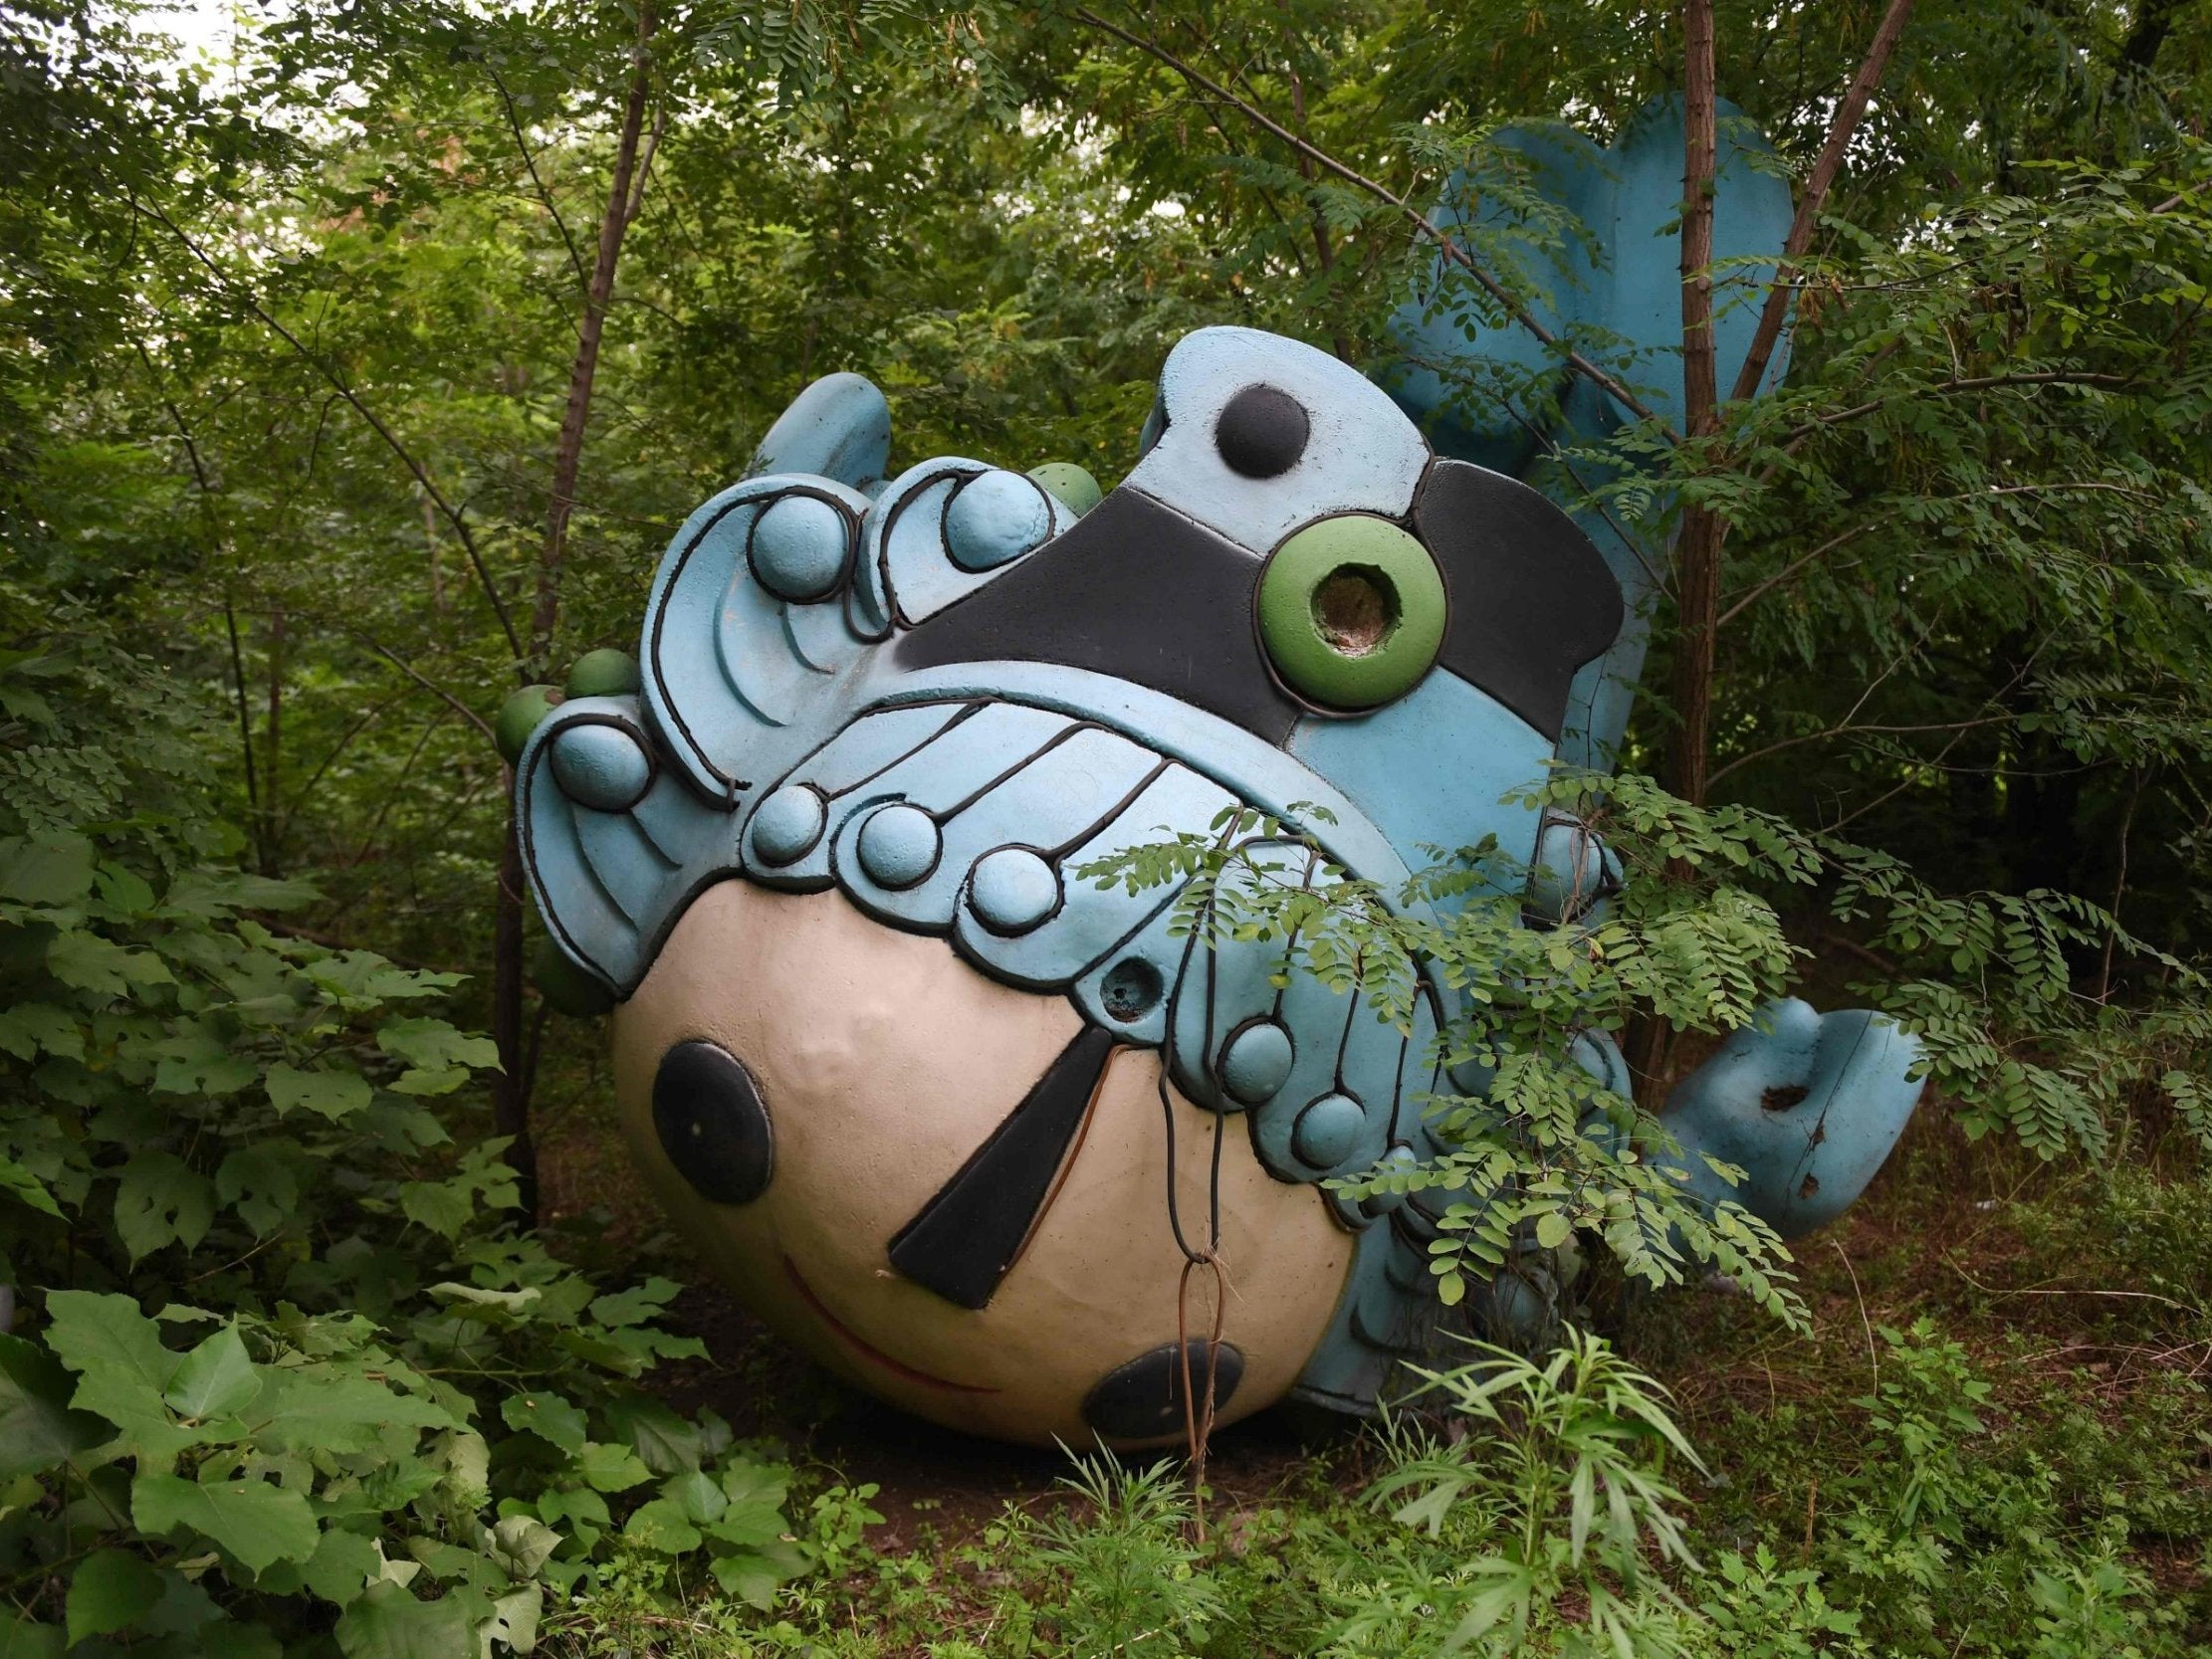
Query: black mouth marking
<point x="962" y="1242"/>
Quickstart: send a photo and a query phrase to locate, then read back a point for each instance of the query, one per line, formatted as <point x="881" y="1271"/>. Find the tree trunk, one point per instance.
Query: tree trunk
<point x="1698" y="545"/>
<point x="512" y="1088"/>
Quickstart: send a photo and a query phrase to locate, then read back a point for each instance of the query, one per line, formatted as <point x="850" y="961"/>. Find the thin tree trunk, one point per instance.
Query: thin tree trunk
<point x="273" y="752"/>
<point x="246" y="738"/>
<point x="512" y="1088"/>
<point x="1698" y="540"/>
<point x="1698" y="550"/>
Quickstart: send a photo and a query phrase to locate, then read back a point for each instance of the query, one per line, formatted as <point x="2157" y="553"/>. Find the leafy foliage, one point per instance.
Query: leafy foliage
<point x="360" y="1396"/>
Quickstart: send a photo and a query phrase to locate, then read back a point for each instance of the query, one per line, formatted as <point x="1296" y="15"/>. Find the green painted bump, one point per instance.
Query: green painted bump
<point x="566" y="988"/>
<point x="604" y="672"/>
<point x="1351" y="612"/>
<point x="518" y="717"/>
<point x="1073" y="486"/>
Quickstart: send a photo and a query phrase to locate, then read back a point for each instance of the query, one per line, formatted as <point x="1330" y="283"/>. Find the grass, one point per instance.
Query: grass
<point x="1994" y="1442"/>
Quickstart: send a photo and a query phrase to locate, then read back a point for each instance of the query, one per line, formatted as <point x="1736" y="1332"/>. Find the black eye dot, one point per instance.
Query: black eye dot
<point x="1263" y="431"/>
<point x="712" y="1123"/>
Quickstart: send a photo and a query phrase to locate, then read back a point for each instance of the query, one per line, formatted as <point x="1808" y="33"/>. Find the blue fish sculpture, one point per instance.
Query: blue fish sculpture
<point x="959" y="1121"/>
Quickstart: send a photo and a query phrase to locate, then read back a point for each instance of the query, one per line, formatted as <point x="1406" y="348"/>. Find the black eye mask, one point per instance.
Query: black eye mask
<point x="1138" y="591"/>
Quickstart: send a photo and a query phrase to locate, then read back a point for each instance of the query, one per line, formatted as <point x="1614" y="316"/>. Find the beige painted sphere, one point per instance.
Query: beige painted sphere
<point x="885" y="1060"/>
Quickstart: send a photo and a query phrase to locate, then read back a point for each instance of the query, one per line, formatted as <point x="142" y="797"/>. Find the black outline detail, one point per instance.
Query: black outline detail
<point x="836" y="582"/>
<point x="651" y="669"/>
<point x="962" y="1242"/>
<point x="1220" y="1060"/>
<point x="1059" y="889"/>
<point x="636" y="736"/>
<point x="944" y="523"/>
<point x="860" y="858"/>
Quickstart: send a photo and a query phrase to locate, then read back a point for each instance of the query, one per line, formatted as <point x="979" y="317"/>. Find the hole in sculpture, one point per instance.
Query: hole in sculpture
<point x="1783" y="1096"/>
<point x="1355" y="609"/>
<point x="1809" y="1187"/>
<point x="1131" y="989"/>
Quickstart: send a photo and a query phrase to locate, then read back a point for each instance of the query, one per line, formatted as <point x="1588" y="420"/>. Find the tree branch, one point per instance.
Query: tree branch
<point x="530" y="165"/>
<point x="1817" y="184"/>
<point x="446" y="510"/>
<point x="1381" y="192"/>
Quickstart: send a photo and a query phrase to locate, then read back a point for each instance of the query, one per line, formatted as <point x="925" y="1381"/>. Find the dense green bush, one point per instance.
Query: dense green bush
<point x="281" y="1363"/>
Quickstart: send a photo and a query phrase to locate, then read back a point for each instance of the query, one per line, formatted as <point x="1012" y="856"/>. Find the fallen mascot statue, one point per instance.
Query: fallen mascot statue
<point x="956" y="1120"/>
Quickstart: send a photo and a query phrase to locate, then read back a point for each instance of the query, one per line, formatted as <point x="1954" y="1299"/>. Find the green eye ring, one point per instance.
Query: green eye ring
<point x="1351" y="612"/>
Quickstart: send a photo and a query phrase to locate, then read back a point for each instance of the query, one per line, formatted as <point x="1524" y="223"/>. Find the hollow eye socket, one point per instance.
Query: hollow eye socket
<point x="1351" y="612"/>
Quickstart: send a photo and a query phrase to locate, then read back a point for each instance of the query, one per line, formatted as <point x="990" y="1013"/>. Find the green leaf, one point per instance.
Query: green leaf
<point x="1554" y="1228"/>
<point x="216" y="1379"/>
<point x="55" y="870"/>
<point x="31" y="1028"/>
<point x="547" y="1416"/>
<point x="752" y="1575"/>
<point x="434" y="1046"/>
<point x="326" y="1092"/>
<point x="109" y="1591"/>
<point x="160" y="1200"/>
<point x="662" y="1526"/>
<point x="343" y="1566"/>
<point x="522" y="1544"/>
<point x="667" y="1444"/>
<point x="117" y="1351"/>
<point x="319" y="1411"/>
<point x="200" y="1063"/>
<point x="256" y="1523"/>
<point x="261" y="1182"/>
<point x="91" y="964"/>
<point x="20" y="1184"/>
<point x="611" y="1468"/>
<point x="21" y="1640"/>
<point x="36" y="1429"/>
<point x="514" y="1620"/>
<point x="387" y="1622"/>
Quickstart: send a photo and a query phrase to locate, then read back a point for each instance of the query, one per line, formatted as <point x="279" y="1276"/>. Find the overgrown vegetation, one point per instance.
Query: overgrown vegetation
<point x="311" y="1337"/>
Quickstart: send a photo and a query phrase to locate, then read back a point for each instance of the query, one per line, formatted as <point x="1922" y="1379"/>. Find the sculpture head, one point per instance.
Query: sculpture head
<point x="947" y="1115"/>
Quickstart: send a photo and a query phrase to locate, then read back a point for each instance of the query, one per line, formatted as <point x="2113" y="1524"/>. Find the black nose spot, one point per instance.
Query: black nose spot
<point x="1262" y="432"/>
<point x="1143" y="1399"/>
<point x="712" y="1123"/>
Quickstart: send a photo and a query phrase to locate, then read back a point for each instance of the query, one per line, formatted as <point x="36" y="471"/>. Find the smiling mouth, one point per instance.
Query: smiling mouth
<point x="867" y="1349"/>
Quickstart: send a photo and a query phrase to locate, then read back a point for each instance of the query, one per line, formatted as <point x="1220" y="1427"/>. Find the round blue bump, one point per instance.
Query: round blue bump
<point x="788" y="824"/>
<point x="1328" y="1130"/>
<point x="602" y="766"/>
<point x="997" y="516"/>
<point x="898" y="846"/>
<point x="1012" y="890"/>
<point x="1397" y="1160"/>
<point x="800" y="544"/>
<point x="1255" y="1062"/>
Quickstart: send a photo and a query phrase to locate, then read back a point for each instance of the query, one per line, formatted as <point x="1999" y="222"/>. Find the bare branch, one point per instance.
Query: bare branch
<point x="446" y="510"/>
<point x="1817" y="183"/>
<point x="431" y="686"/>
<point x="530" y="164"/>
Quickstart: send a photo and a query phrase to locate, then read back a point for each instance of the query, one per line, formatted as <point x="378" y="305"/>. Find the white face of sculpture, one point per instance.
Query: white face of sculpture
<point x="883" y="1062"/>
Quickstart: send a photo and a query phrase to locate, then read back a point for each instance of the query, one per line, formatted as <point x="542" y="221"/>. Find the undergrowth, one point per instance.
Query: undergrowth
<point x="1926" y="1474"/>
